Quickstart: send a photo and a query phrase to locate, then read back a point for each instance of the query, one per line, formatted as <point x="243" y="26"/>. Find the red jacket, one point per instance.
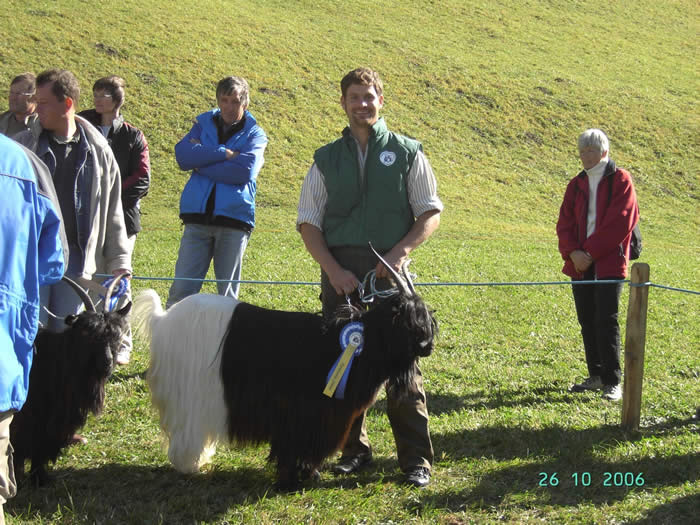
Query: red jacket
<point x="617" y="214"/>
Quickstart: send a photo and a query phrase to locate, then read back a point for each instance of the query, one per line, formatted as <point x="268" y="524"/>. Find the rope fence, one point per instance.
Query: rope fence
<point x="646" y="284"/>
<point x="635" y="334"/>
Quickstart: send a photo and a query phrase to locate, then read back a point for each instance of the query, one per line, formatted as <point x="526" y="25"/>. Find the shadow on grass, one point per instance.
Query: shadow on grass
<point x="529" y="485"/>
<point x="533" y="456"/>
<point x="508" y="443"/>
<point x="139" y="494"/>
<point x="680" y="510"/>
<point x="439" y="404"/>
<point x="445" y="404"/>
<point x="135" y="494"/>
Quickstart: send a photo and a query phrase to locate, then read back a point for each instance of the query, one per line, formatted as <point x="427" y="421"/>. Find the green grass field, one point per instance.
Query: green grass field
<point x="498" y="93"/>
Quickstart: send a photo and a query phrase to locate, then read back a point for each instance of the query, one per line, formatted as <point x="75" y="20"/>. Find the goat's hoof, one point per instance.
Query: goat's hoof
<point x="287" y="486"/>
<point x="311" y="475"/>
<point x="39" y="479"/>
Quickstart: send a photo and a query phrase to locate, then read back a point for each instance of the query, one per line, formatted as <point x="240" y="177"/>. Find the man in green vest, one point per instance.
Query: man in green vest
<point x="371" y="185"/>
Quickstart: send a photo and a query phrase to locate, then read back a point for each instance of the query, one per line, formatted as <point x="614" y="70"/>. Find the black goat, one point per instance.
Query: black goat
<point x="224" y="370"/>
<point x="66" y="383"/>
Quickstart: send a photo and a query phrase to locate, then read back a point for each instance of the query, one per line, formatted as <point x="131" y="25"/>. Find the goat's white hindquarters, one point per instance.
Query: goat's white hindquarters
<point x="184" y="373"/>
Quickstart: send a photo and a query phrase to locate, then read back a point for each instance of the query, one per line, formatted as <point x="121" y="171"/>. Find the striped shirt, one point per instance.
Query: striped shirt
<point x="420" y="184"/>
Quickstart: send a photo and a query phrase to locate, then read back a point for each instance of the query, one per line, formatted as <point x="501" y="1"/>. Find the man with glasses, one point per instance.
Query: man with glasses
<point x="86" y="177"/>
<point x="22" y="113"/>
<point x="130" y="149"/>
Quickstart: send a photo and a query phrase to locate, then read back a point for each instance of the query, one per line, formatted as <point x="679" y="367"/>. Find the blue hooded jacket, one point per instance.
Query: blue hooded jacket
<point x="234" y="179"/>
<point x="30" y="256"/>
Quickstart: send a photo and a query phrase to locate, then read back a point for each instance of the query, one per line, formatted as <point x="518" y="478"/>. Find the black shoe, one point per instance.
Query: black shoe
<point x="418" y="477"/>
<point x="350" y="464"/>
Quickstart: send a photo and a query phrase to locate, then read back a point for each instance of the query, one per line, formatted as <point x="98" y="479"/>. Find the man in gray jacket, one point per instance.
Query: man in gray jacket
<point x="21" y="115"/>
<point x="86" y="177"/>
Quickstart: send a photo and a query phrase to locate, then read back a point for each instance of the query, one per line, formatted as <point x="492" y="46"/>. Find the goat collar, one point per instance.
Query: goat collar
<point x="351" y="339"/>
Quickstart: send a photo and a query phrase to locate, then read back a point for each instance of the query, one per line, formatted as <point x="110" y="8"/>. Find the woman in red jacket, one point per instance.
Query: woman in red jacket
<point x="595" y="226"/>
<point x="130" y="149"/>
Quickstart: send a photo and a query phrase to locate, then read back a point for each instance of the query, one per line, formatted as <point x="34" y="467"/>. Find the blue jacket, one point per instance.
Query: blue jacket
<point x="30" y="256"/>
<point x="234" y="179"/>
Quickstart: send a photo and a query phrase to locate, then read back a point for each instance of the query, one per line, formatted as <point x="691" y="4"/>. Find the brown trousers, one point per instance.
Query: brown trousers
<point x="408" y="415"/>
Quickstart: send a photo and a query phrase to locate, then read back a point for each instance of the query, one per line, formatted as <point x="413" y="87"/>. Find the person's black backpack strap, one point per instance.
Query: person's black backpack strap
<point x="636" y="241"/>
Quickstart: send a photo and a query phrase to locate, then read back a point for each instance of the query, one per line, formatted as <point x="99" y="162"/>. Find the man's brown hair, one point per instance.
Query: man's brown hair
<point x="363" y="76"/>
<point x="29" y="78"/>
<point x="114" y="86"/>
<point x="64" y="84"/>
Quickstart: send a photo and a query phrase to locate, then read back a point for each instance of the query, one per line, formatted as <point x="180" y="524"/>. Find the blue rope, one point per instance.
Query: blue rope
<point x="312" y="283"/>
<point x="674" y="289"/>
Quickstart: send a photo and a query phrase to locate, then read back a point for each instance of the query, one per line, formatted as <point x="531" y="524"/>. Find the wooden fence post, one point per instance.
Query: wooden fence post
<point x="635" y="338"/>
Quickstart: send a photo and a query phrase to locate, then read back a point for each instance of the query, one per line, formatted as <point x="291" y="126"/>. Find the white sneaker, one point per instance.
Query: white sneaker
<point x="612" y="392"/>
<point x="124" y="352"/>
<point x="123" y="356"/>
<point x="590" y="383"/>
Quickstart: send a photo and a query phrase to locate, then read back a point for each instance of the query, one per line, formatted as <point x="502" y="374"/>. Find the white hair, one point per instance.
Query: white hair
<point x="184" y="373"/>
<point x="594" y="138"/>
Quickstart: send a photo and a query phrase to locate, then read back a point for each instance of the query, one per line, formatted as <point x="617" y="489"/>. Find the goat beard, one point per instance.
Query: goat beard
<point x="403" y="384"/>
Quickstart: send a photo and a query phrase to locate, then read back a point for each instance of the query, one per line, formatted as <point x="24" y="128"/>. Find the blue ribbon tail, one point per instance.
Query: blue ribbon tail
<point x="340" y="391"/>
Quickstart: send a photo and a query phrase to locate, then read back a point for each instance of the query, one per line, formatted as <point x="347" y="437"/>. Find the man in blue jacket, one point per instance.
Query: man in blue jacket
<point x="224" y="149"/>
<point x="31" y="255"/>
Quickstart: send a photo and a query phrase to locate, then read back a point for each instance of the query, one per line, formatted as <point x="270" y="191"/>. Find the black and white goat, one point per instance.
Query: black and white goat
<point x="223" y="370"/>
<point x="66" y="383"/>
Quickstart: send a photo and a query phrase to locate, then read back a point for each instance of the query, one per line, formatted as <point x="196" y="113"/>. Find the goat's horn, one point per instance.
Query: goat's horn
<point x="407" y="276"/>
<point x="111" y="288"/>
<point x="399" y="280"/>
<point x="89" y="305"/>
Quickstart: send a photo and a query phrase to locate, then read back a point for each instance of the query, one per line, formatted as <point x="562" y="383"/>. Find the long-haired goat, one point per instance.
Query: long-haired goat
<point x="66" y="383"/>
<point x="230" y="371"/>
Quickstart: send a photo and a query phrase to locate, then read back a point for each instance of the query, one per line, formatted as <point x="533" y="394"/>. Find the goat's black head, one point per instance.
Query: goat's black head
<point x="97" y="336"/>
<point x="403" y="326"/>
<point x="413" y="323"/>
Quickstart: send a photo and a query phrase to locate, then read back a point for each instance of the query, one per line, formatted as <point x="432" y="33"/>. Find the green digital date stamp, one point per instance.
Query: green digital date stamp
<point x="585" y="479"/>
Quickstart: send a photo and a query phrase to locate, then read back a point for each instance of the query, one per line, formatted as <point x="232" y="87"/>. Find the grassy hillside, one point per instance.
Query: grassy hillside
<point x="498" y="93"/>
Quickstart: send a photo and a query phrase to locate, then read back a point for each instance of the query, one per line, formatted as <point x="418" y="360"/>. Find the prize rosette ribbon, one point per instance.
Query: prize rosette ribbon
<point x="116" y="294"/>
<point x="351" y="342"/>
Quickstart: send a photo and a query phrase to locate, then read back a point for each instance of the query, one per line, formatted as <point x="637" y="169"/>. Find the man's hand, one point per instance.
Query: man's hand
<point x="229" y="153"/>
<point x="582" y="260"/>
<point x="343" y="281"/>
<point x="394" y="259"/>
<point x="423" y="228"/>
<point x="118" y="272"/>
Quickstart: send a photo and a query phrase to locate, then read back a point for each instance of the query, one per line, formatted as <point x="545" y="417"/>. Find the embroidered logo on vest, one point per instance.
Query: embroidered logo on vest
<point x="387" y="158"/>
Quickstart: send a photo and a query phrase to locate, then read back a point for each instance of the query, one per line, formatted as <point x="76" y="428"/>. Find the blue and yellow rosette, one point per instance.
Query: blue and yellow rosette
<point x="351" y="339"/>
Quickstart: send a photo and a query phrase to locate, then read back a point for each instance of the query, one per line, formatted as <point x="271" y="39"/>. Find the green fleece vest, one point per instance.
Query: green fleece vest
<point x="372" y="208"/>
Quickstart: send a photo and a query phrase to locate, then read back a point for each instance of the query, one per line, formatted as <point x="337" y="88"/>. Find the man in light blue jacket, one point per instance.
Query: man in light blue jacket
<point x="224" y="151"/>
<point x="31" y="255"/>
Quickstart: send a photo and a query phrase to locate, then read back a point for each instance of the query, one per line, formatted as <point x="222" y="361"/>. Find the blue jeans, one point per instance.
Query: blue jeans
<point x="199" y="245"/>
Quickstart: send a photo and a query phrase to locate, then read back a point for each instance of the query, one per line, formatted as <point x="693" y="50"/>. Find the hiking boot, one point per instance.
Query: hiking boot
<point x="350" y="464"/>
<point x="418" y="477"/>
<point x="590" y="383"/>
<point x="612" y="392"/>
